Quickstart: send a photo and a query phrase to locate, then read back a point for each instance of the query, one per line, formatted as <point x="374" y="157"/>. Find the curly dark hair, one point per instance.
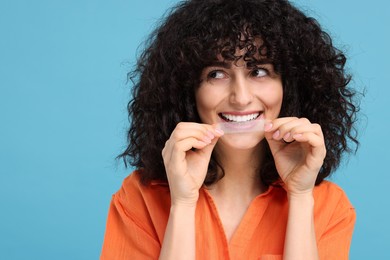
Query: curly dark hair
<point x="194" y="34"/>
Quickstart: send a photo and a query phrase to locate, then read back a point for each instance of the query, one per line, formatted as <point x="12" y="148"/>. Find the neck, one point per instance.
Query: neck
<point x="241" y="179"/>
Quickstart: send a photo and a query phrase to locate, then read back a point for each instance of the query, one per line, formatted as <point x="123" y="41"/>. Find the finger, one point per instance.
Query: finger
<point x="282" y="127"/>
<point x="311" y="138"/>
<point x="271" y="127"/>
<point x="207" y="150"/>
<point x="202" y="132"/>
<point x="285" y="129"/>
<point x="179" y="149"/>
<point x="301" y="128"/>
<point x="199" y="126"/>
<point x="317" y="151"/>
<point x="182" y="146"/>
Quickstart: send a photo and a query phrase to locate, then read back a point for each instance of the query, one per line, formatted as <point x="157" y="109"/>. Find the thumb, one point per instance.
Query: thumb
<point x="207" y="150"/>
<point x="274" y="145"/>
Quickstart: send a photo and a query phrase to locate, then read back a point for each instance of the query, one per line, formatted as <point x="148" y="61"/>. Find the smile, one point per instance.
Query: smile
<point x="239" y="118"/>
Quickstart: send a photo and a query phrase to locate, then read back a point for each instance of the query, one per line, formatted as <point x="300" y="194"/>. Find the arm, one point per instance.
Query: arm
<point x="300" y="240"/>
<point x="335" y="238"/>
<point x="186" y="170"/>
<point x="298" y="149"/>
<point x="179" y="239"/>
<point x="334" y="227"/>
<point x="126" y="237"/>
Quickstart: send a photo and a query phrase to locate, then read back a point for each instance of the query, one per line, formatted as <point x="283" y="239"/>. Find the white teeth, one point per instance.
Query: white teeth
<point x="244" y="118"/>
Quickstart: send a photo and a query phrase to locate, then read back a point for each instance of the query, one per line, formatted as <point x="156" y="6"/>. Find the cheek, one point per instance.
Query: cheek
<point x="273" y="97"/>
<point x="206" y="99"/>
<point x="202" y="105"/>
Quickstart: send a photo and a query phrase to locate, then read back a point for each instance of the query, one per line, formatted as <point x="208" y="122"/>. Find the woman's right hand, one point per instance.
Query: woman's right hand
<point x="186" y="168"/>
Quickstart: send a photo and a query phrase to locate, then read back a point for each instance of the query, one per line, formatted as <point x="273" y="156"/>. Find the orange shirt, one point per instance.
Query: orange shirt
<point x="139" y="214"/>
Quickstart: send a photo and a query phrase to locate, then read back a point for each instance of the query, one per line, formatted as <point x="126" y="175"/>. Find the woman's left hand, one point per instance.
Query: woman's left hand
<point x="298" y="149"/>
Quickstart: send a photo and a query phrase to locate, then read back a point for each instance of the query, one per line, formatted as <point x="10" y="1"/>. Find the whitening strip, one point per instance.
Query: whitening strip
<point x="242" y="127"/>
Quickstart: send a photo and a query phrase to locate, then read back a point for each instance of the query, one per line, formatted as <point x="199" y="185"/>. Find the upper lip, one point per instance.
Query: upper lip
<point x="244" y="115"/>
<point x="241" y="113"/>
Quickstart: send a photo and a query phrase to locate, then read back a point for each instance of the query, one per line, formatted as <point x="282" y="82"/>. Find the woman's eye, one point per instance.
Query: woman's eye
<point x="259" y="72"/>
<point x="216" y="74"/>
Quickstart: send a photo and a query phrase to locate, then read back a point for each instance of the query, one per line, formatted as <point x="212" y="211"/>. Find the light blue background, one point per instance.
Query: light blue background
<point x="63" y="98"/>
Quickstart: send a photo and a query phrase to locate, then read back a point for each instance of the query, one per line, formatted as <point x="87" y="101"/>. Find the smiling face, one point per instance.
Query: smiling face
<point x="231" y="92"/>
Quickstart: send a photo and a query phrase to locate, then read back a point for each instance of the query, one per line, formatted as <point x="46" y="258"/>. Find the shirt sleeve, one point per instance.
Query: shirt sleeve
<point x="271" y="257"/>
<point x="336" y="240"/>
<point x="125" y="238"/>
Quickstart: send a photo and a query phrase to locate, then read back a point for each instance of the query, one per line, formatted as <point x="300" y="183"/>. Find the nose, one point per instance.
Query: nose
<point x="241" y="94"/>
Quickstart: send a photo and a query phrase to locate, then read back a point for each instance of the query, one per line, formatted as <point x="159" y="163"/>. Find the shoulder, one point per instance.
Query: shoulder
<point x="138" y="196"/>
<point x="332" y="206"/>
<point x="330" y="193"/>
<point x="137" y="217"/>
<point x="145" y="205"/>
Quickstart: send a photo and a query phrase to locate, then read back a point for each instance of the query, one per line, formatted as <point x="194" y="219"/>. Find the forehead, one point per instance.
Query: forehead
<point x="245" y="49"/>
<point x="241" y="58"/>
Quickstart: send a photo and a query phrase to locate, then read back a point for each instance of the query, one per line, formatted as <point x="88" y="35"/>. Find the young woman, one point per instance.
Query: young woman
<point x="270" y="77"/>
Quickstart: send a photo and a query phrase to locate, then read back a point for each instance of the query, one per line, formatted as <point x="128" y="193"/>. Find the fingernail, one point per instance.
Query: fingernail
<point x="210" y="135"/>
<point x="286" y="136"/>
<point x="267" y="126"/>
<point x="202" y="143"/>
<point x="276" y="134"/>
<point x="206" y="139"/>
<point x="219" y="131"/>
<point x="297" y="135"/>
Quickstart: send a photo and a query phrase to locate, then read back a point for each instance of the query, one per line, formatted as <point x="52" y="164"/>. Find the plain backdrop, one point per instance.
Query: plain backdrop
<point x="63" y="96"/>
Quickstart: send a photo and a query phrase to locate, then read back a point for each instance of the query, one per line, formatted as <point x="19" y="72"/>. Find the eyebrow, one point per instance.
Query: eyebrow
<point x="223" y="64"/>
<point x="228" y="65"/>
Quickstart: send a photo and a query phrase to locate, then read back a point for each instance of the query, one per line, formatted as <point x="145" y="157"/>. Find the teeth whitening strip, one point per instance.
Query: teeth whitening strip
<point x="242" y="127"/>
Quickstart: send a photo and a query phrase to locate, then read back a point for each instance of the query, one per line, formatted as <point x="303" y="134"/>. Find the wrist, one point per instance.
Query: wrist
<point x="183" y="206"/>
<point x="301" y="197"/>
<point x="184" y="203"/>
<point x="184" y="213"/>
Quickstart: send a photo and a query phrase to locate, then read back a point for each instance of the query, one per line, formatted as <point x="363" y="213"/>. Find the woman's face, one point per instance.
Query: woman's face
<point x="233" y="92"/>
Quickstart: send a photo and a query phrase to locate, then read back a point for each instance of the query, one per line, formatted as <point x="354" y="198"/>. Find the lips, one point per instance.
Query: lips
<point x="239" y="117"/>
